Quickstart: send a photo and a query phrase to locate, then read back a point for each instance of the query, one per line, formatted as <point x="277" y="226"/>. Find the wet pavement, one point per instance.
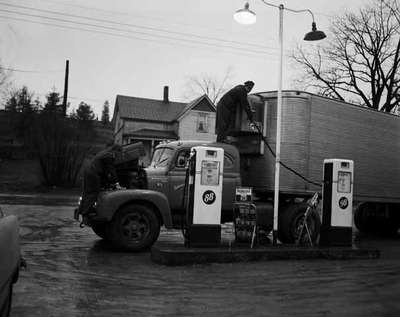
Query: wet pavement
<point x="72" y="272"/>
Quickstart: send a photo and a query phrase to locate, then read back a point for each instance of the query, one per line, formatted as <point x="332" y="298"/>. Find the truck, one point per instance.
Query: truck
<point x="314" y="128"/>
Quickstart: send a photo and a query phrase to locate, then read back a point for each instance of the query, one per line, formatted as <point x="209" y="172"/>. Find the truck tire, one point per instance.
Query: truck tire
<point x="290" y="220"/>
<point x="135" y="227"/>
<point x="100" y="228"/>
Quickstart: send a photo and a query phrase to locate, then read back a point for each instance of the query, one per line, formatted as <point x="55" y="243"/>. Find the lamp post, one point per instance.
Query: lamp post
<point x="246" y="16"/>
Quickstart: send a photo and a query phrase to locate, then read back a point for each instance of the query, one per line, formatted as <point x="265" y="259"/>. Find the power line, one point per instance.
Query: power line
<point x="141" y="27"/>
<point x="113" y="12"/>
<point x="73" y="97"/>
<point x="218" y="44"/>
<point x="128" y="31"/>
<point x="130" y="14"/>
<point x="260" y="54"/>
<point x="30" y="71"/>
<point x="90" y="99"/>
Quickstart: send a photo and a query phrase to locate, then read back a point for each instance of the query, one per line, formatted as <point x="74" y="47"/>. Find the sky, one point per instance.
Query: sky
<point x="135" y="48"/>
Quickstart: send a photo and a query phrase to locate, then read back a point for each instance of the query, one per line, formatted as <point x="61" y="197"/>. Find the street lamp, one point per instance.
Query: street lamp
<point x="246" y="16"/>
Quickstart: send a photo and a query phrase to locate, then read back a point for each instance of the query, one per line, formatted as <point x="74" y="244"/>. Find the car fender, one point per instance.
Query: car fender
<point x="109" y="202"/>
<point x="9" y="250"/>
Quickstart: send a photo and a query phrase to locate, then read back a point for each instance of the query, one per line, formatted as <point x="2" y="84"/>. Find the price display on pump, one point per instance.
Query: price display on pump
<point x="210" y="173"/>
<point x="344" y="182"/>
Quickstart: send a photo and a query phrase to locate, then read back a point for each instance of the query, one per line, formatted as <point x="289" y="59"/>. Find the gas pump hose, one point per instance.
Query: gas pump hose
<point x="282" y="164"/>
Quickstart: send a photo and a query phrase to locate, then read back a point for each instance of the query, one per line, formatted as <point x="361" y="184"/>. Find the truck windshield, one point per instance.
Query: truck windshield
<point x="161" y="157"/>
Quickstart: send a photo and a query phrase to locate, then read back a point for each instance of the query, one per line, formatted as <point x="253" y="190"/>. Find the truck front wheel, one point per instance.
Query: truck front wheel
<point x="290" y="221"/>
<point x="135" y="227"/>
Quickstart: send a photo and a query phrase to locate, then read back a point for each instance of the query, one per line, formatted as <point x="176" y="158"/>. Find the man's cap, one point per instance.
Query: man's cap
<point x="249" y="83"/>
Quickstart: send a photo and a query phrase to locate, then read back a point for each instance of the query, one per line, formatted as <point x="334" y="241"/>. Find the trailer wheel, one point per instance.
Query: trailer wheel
<point x="364" y="219"/>
<point x="100" y="228"/>
<point x="378" y="218"/>
<point x="290" y="221"/>
<point x="394" y="219"/>
<point x="135" y="227"/>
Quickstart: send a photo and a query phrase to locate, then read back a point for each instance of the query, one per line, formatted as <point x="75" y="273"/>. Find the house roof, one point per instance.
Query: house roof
<point x="148" y="109"/>
<point x="150" y="133"/>
<point x="197" y="102"/>
<point x="157" y="110"/>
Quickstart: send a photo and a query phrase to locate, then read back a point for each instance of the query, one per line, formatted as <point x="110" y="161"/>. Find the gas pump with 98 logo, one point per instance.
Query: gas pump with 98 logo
<point x="337" y="198"/>
<point x="204" y="221"/>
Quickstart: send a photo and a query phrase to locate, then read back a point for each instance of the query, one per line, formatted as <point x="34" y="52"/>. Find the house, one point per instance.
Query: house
<point x="152" y="121"/>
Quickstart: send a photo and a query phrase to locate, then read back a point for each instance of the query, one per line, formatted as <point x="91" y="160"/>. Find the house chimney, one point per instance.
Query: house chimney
<point x="165" y="94"/>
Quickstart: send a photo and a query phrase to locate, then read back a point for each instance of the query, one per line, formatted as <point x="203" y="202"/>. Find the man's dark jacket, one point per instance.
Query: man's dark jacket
<point x="234" y="99"/>
<point x="99" y="174"/>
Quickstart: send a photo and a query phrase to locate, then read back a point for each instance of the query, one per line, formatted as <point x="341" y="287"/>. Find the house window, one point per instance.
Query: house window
<point x="202" y="123"/>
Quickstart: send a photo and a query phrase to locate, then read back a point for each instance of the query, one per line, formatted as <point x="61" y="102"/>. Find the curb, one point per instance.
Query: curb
<point x="38" y="199"/>
<point x="172" y="254"/>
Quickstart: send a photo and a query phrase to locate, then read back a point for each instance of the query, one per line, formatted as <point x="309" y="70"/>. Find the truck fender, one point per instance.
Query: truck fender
<point x="109" y="202"/>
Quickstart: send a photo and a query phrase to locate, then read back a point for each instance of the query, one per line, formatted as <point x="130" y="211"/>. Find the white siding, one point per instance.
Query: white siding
<point x="139" y="125"/>
<point x="188" y="127"/>
<point x="118" y="130"/>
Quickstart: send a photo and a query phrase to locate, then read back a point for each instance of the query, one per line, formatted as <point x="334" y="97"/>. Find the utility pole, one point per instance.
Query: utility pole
<point x="64" y="104"/>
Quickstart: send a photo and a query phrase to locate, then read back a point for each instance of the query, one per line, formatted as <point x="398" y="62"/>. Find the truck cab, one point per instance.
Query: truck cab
<point x="131" y="218"/>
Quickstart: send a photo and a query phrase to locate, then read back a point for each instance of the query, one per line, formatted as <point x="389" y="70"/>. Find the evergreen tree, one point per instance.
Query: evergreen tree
<point x="105" y="115"/>
<point x="53" y="103"/>
<point x="25" y="100"/>
<point x="84" y="112"/>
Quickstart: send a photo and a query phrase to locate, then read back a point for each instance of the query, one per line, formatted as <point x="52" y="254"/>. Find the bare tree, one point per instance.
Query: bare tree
<point x="209" y="85"/>
<point x="61" y="146"/>
<point x="4" y="82"/>
<point x="361" y="60"/>
<point x="4" y="75"/>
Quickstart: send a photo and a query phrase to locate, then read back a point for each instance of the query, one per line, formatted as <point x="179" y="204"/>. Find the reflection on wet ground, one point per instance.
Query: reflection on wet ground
<point x="71" y="272"/>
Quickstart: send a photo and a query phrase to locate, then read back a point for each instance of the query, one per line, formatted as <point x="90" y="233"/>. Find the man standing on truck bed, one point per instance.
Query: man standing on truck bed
<point x="226" y="109"/>
<point x="99" y="174"/>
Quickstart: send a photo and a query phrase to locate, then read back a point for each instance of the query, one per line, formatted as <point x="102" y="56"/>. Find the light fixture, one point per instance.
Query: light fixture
<point x="315" y="34"/>
<point x="245" y="15"/>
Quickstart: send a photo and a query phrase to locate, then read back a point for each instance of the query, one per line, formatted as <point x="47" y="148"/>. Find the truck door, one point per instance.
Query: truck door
<point x="177" y="175"/>
<point x="230" y="182"/>
<point x="157" y="172"/>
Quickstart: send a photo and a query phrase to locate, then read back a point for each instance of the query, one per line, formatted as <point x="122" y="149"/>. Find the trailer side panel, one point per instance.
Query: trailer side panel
<point x="370" y="138"/>
<point x="315" y="128"/>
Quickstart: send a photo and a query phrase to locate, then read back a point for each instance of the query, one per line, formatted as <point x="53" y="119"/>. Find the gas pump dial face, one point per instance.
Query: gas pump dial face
<point x="208" y="197"/>
<point x="343" y="202"/>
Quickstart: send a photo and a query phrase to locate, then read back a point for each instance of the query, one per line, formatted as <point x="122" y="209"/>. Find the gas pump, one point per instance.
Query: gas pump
<point x="337" y="205"/>
<point x="203" y="219"/>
